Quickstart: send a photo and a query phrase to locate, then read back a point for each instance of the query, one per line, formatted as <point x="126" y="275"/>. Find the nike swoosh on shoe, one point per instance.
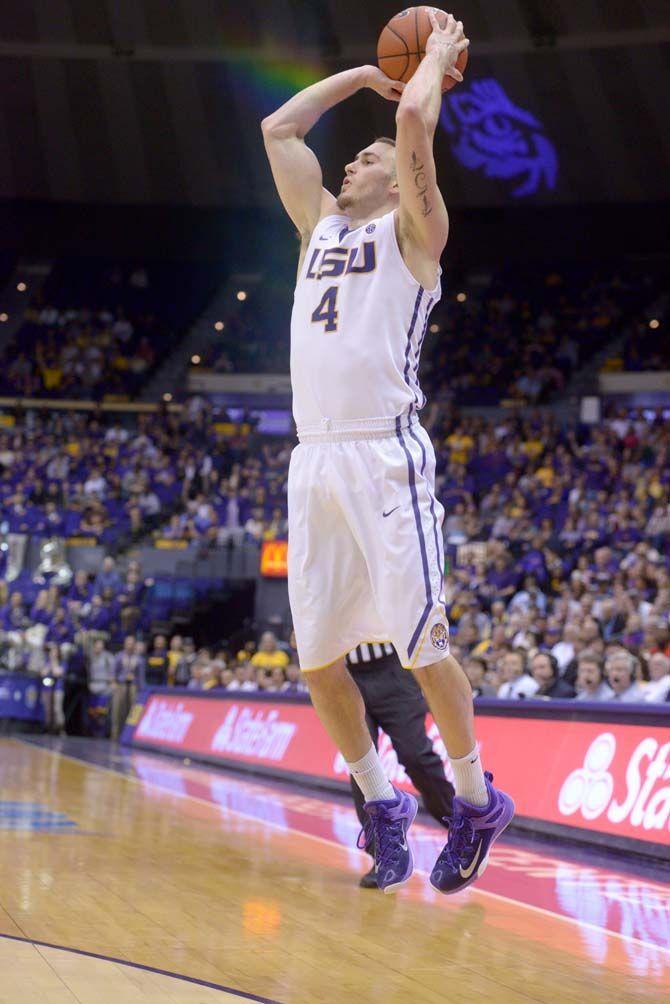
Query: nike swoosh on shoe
<point x="467" y="872"/>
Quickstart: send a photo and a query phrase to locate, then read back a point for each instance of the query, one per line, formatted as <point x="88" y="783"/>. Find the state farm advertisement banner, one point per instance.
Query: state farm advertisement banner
<point x="610" y="778"/>
<point x="280" y="735"/>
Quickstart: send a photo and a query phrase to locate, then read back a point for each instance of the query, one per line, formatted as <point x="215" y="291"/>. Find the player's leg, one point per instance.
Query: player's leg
<point x="412" y="601"/>
<point x="449" y="696"/>
<point x="356" y="792"/>
<point x="369" y="880"/>
<point x="480" y="812"/>
<point x="333" y="611"/>
<point x="339" y="705"/>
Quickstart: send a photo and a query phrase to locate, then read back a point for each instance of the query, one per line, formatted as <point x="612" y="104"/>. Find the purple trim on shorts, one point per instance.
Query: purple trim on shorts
<point x="146" y="969"/>
<point x="410" y="333"/>
<point x="440" y="563"/>
<point x="422" y="542"/>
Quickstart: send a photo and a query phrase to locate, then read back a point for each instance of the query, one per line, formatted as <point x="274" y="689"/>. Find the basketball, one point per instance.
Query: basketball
<point x="402" y="44"/>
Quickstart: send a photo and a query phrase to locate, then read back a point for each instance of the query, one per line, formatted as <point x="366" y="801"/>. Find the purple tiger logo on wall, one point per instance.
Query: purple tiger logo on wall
<point x="489" y="133"/>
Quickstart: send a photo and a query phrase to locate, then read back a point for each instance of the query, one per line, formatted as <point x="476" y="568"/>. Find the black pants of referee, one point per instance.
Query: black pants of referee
<point x="394" y="702"/>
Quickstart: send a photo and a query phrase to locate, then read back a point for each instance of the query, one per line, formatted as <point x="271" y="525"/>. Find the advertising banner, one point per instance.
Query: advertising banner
<point x="607" y="778"/>
<point x="20" y="697"/>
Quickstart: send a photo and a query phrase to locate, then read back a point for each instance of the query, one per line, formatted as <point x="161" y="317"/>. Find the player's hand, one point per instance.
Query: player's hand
<point x="448" y="41"/>
<point x="379" y="82"/>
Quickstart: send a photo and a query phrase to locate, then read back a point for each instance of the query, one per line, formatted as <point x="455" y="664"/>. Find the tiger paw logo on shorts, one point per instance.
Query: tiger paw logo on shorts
<point x="439" y="636"/>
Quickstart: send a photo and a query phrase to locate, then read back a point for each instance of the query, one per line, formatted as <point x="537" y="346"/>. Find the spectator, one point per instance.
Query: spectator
<point x="530" y="597"/>
<point x="658" y="688"/>
<point x="60" y="629"/>
<point x="277" y="679"/>
<point x="53" y="674"/>
<point x="97" y="616"/>
<point x="565" y="650"/>
<point x="294" y="683"/>
<point x="80" y="591"/>
<point x="75" y="689"/>
<point x="515" y="681"/>
<point x="269" y="655"/>
<point x="100" y="669"/>
<point x="591" y="685"/>
<point x="254" y="527"/>
<point x="186" y="662"/>
<point x="545" y="671"/>
<point x="245" y="678"/>
<point x="475" y="670"/>
<point x="620" y="670"/>
<point x="157" y="663"/>
<point x="13" y="615"/>
<point x="612" y="621"/>
<point x="209" y="676"/>
<point x="226" y="677"/>
<point x="175" y="655"/>
<point x="108" y="577"/>
<point x="129" y="676"/>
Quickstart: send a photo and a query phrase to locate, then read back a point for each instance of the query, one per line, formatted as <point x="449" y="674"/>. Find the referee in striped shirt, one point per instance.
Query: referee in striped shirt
<point x="394" y="703"/>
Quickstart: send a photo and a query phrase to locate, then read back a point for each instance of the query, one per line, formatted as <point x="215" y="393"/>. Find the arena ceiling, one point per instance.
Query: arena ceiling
<point x="158" y="101"/>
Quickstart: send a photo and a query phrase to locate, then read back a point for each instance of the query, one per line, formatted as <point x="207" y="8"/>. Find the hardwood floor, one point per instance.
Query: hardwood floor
<point x="122" y="867"/>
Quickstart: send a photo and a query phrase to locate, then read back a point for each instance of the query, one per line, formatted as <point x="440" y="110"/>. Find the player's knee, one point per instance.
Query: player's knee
<point x="326" y="677"/>
<point x="436" y="670"/>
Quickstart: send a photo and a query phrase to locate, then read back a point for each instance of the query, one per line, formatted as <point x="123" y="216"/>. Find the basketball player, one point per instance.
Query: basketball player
<point x="365" y="540"/>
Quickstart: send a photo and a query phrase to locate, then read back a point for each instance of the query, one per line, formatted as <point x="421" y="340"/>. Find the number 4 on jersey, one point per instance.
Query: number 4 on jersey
<point x="326" y="312"/>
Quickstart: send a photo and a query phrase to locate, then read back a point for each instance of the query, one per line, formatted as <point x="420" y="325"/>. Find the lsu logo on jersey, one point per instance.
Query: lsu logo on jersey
<point x="332" y="263"/>
<point x="337" y="263"/>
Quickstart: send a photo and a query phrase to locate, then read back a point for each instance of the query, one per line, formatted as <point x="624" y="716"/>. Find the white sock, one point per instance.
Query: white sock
<point x="369" y="775"/>
<point x="469" y="778"/>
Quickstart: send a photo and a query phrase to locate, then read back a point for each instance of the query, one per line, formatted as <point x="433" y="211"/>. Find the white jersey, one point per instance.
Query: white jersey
<point x="358" y="323"/>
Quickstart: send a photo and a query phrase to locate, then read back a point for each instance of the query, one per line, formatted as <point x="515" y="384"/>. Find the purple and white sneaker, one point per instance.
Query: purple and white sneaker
<point x="473" y="829"/>
<point x="386" y="829"/>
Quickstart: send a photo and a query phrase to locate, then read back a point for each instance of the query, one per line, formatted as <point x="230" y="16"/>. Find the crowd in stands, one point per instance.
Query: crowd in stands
<point x="554" y="321"/>
<point x="97" y="330"/>
<point x="557" y="537"/>
<point x="559" y="541"/>
<point x="91" y="676"/>
<point x="86" y="475"/>
<point x="71" y="474"/>
<point x="91" y="669"/>
<point x="600" y="633"/>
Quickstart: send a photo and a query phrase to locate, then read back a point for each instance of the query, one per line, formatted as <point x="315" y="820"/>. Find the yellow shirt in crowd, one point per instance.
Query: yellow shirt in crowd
<point x="460" y="448"/>
<point x="270" y="660"/>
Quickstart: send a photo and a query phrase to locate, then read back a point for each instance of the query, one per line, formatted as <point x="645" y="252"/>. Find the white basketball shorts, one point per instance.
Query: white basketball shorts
<point x="365" y="552"/>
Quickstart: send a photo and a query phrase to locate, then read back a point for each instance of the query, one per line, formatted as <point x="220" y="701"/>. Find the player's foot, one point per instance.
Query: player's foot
<point x="473" y="829"/>
<point x="369" y="880"/>
<point x="387" y="825"/>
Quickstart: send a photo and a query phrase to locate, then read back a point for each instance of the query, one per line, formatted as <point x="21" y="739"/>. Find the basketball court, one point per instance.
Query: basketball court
<point x="138" y="877"/>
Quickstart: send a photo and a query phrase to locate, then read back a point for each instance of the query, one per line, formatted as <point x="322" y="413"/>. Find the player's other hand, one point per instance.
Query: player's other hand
<point x="448" y="41"/>
<point x="379" y="82"/>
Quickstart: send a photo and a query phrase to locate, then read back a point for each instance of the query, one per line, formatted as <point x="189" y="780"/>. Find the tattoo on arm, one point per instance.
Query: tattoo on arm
<point x="421" y="184"/>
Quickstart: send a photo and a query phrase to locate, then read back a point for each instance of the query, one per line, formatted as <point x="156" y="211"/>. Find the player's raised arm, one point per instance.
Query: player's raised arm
<point x="423" y="215"/>
<point x="295" y="168"/>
